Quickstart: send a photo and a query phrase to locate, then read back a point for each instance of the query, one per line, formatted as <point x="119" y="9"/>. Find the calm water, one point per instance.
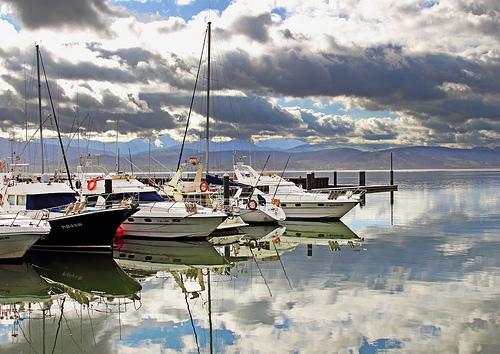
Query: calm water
<point x="421" y="276"/>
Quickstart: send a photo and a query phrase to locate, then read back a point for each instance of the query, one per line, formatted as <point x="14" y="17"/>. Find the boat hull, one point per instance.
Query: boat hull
<point x="91" y="231"/>
<point x="262" y="215"/>
<point x="15" y="243"/>
<point x="170" y="227"/>
<point x="311" y="211"/>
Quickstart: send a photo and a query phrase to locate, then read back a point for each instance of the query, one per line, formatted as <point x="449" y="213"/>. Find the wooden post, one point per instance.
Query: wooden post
<point x="226" y="189"/>
<point x="309" y="250"/>
<point x="392" y="173"/>
<point x="310" y="181"/>
<point x="362" y="178"/>
<point x="335" y="178"/>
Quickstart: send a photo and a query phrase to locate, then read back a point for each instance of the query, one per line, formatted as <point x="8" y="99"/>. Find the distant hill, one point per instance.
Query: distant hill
<point x="223" y="154"/>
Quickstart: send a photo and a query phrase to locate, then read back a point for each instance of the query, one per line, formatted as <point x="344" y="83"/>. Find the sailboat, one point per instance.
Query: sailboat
<point x="72" y="224"/>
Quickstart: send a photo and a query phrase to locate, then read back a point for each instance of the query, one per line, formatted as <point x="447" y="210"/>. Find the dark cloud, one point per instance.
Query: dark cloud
<point x="254" y="27"/>
<point x="64" y="13"/>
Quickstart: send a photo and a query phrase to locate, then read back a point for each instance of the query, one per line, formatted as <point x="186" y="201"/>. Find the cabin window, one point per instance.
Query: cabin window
<point x="11" y="199"/>
<point x="21" y="200"/>
<point x="283" y="204"/>
<point x="131" y="256"/>
<point x="122" y="255"/>
<point x="321" y="204"/>
<point x="47" y="201"/>
<point x="264" y="189"/>
<point x="298" y="204"/>
<point x="130" y="219"/>
<point x="148" y="258"/>
<point x="176" y="220"/>
<point x="147" y="220"/>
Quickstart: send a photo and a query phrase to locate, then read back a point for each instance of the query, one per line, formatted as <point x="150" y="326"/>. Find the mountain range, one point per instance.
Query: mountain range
<point x="164" y="154"/>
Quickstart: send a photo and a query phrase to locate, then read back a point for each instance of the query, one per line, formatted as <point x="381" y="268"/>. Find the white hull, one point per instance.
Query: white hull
<point x="15" y="243"/>
<point x="170" y="227"/>
<point x="311" y="210"/>
<point x="262" y="215"/>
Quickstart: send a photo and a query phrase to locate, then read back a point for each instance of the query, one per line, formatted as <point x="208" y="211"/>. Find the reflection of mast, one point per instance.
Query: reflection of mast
<point x="210" y="295"/>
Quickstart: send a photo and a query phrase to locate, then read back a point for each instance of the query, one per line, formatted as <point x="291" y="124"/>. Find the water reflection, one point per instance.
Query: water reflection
<point x="57" y="302"/>
<point x="427" y="284"/>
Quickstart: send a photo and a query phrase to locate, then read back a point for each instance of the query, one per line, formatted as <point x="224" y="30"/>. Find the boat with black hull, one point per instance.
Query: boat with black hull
<point x="73" y="225"/>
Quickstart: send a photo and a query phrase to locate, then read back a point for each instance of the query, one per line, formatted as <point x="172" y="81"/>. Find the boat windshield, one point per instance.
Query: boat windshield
<point x="152" y="196"/>
<point x="49" y="200"/>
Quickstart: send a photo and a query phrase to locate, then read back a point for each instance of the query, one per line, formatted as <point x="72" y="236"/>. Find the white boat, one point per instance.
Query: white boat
<point x="18" y="233"/>
<point x="156" y="218"/>
<point x="257" y="210"/>
<point x="249" y="210"/>
<point x="296" y="202"/>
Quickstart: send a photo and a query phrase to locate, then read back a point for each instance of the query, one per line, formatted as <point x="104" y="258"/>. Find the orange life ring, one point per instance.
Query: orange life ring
<point x="252" y="204"/>
<point x="91" y="184"/>
<point x="204" y="186"/>
<point x="277" y="202"/>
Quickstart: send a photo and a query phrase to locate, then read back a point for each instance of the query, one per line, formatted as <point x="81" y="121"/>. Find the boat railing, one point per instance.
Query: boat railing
<point x="38" y="215"/>
<point x="333" y="194"/>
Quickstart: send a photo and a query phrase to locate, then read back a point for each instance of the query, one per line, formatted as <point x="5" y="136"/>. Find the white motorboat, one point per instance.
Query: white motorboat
<point x="18" y="233"/>
<point x="296" y="202"/>
<point x="257" y="210"/>
<point x="157" y="218"/>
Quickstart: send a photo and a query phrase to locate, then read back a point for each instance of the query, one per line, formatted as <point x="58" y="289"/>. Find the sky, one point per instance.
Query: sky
<point x="361" y="73"/>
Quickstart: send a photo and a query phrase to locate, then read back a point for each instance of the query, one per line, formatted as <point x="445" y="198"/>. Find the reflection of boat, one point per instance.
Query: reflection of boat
<point x="317" y="231"/>
<point x="18" y="233"/>
<point x="20" y="283"/>
<point x="166" y="255"/>
<point x="331" y="234"/>
<point x="90" y="274"/>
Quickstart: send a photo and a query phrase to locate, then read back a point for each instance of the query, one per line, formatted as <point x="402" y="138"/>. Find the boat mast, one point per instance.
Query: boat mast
<point x="40" y="102"/>
<point x="57" y="124"/>
<point x="207" y="139"/>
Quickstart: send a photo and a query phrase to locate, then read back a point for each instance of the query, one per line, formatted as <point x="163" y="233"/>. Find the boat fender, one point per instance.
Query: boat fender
<point x="204" y="186"/>
<point x="252" y="204"/>
<point x="91" y="184"/>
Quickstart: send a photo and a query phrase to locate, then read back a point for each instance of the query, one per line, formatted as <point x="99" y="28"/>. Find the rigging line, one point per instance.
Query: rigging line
<point x="260" y="271"/>
<point x="282" y="265"/>
<point x="32" y="136"/>
<point x="58" y="325"/>
<point x="76" y="131"/>
<point x="91" y="325"/>
<point x="281" y="177"/>
<point x="57" y="124"/>
<point x="192" y="99"/>
<point x="258" y="179"/>
<point x="71" y="334"/>
<point x="192" y="322"/>
<point x="26" y="338"/>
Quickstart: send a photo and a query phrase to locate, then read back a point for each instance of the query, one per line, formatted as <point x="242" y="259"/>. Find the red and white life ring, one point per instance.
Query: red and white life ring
<point x="203" y="186"/>
<point x="252" y="204"/>
<point x="91" y="184"/>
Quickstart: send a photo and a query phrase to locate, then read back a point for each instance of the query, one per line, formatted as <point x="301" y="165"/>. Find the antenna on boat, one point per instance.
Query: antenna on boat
<point x="55" y="120"/>
<point x="207" y="138"/>
<point x="281" y="177"/>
